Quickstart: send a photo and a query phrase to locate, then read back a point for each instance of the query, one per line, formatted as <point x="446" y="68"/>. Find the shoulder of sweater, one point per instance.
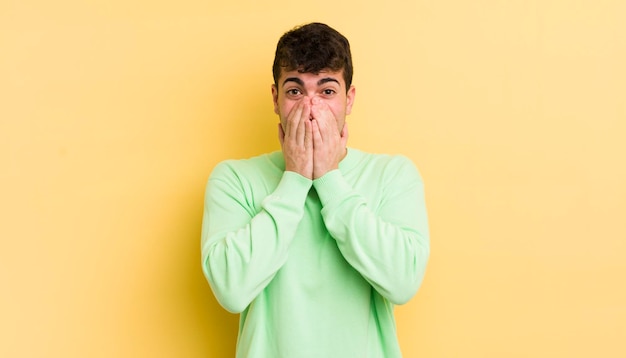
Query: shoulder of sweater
<point x="383" y="159"/>
<point x="246" y="167"/>
<point x="393" y="167"/>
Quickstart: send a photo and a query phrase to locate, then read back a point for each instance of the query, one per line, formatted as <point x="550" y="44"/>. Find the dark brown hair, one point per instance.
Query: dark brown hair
<point x="312" y="48"/>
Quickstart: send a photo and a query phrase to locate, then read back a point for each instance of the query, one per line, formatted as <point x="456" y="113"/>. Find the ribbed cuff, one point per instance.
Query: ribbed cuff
<point x="331" y="186"/>
<point x="292" y="188"/>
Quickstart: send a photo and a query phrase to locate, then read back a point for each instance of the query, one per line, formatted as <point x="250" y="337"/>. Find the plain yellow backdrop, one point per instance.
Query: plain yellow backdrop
<point x="113" y="114"/>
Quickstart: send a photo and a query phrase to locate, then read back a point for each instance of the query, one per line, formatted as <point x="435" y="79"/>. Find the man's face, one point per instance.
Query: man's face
<point x="329" y="87"/>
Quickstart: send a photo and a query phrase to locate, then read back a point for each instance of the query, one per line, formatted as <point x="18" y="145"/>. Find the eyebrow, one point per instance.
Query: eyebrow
<point x="326" y="80"/>
<point x="301" y="83"/>
<point x="293" y="79"/>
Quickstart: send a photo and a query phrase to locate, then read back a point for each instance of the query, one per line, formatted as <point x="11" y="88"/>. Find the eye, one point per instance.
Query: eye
<point x="329" y="92"/>
<point x="294" y="92"/>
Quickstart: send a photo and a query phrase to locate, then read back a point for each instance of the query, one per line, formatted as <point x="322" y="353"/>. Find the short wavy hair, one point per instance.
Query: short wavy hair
<point x="312" y="48"/>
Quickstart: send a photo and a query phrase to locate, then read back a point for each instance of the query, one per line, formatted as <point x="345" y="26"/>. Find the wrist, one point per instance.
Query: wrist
<point x="302" y="172"/>
<point x="318" y="173"/>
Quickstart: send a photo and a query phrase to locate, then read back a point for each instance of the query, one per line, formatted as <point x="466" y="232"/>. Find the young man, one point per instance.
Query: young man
<point x="314" y="244"/>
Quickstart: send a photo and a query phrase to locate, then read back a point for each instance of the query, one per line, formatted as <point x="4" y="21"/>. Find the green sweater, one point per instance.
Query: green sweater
<point x="315" y="267"/>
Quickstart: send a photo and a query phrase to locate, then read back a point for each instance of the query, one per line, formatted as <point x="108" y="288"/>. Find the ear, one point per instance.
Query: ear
<point x="350" y="99"/>
<point x="275" y="98"/>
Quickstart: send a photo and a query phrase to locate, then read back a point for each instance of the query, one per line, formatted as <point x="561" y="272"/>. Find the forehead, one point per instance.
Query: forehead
<point x="309" y="78"/>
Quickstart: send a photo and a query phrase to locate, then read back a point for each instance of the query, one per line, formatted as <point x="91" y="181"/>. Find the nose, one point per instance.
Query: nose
<point x="312" y="99"/>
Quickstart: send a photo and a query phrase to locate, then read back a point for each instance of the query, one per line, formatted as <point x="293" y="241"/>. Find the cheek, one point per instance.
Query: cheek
<point x="284" y="107"/>
<point x="338" y="110"/>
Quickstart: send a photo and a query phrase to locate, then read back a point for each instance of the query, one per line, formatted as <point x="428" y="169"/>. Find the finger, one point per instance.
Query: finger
<point x="281" y="134"/>
<point x="293" y="120"/>
<point x="308" y="136"/>
<point x="318" y="116"/>
<point x="315" y="107"/>
<point x="317" y="135"/>
<point x="327" y="121"/>
<point x="304" y="117"/>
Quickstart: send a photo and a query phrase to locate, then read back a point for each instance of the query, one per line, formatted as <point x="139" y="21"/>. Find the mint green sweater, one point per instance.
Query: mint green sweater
<point x="315" y="267"/>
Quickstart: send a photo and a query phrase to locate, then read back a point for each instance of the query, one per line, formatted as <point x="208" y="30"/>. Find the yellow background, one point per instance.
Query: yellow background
<point x="113" y="114"/>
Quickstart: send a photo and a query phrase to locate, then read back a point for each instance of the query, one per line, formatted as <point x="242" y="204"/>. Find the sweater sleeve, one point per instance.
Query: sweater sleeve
<point x="243" y="249"/>
<point x="389" y="244"/>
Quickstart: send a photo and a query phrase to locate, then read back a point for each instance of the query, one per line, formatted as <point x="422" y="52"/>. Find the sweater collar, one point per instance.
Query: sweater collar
<point x="352" y="158"/>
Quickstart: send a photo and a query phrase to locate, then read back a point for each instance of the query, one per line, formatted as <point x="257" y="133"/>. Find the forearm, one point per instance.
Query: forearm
<point x="243" y="250"/>
<point x="389" y="245"/>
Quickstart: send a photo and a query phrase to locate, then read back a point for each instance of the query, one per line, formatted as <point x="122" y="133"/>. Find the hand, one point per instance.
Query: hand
<point x="296" y="140"/>
<point x="329" y="142"/>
